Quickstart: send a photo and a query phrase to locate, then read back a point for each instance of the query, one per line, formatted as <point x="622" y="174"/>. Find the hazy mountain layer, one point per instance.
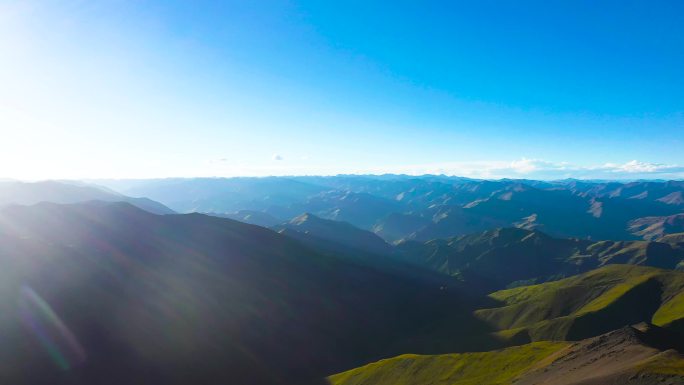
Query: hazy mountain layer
<point x="423" y="208"/>
<point x="252" y="217"/>
<point x="68" y="192"/>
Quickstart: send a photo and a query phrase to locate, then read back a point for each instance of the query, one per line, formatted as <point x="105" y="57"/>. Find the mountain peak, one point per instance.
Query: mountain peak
<point x="335" y="232"/>
<point x="305" y="217"/>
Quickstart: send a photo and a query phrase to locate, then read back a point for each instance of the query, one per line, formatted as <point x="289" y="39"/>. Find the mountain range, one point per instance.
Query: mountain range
<point x="565" y="332"/>
<point x="127" y="296"/>
<point x="24" y="193"/>
<point x="498" y="282"/>
<point x="491" y="259"/>
<point x="398" y="207"/>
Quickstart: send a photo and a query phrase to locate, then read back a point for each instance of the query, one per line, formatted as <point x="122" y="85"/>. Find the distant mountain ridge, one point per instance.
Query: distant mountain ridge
<point x="341" y="233"/>
<point x="508" y="256"/>
<point x="491" y="259"/>
<point x="24" y="193"/>
<point x="252" y="217"/>
<point x="427" y="207"/>
<point x="657" y="227"/>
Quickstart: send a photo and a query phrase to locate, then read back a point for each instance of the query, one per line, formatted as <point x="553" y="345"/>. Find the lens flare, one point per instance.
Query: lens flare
<point x="50" y="331"/>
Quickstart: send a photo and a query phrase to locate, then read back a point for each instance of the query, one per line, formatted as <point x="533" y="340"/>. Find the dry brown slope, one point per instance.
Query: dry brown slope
<point x="638" y="355"/>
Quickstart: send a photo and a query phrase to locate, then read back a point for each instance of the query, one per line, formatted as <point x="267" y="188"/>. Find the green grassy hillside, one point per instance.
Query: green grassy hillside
<point x="639" y="355"/>
<point x="589" y="304"/>
<point x="497" y="367"/>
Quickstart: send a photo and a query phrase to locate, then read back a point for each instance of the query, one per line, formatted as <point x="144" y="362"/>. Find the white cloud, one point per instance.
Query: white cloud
<point x="526" y="166"/>
<point x="542" y="169"/>
<point x="635" y="166"/>
<point x="523" y="168"/>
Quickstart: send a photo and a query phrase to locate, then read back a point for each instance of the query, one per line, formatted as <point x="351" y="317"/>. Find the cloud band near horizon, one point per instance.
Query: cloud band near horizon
<point x="524" y="168"/>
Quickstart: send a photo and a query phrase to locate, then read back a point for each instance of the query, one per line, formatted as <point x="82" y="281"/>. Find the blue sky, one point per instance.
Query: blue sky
<point x="534" y="89"/>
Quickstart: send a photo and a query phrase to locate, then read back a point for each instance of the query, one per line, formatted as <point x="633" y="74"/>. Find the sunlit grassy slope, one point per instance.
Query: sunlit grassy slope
<point x="592" y="308"/>
<point x="497" y="367"/>
<point x="588" y="304"/>
<point x="639" y="355"/>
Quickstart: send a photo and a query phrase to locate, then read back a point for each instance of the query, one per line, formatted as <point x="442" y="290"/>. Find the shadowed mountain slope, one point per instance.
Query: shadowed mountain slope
<point x="107" y="293"/>
<point x="669" y="192"/>
<point x="397" y="226"/>
<point x="341" y="233"/>
<point x="560" y="213"/>
<point x="657" y="227"/>
<point x="489" y="260"/>
<point x="512" y="256"/>
<point x="219" y="195"/>
<point x="345" y="241"/>
<point x="252" y="217"/>
<point x="677" y="238"/>
<point x="360" y="209"/>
